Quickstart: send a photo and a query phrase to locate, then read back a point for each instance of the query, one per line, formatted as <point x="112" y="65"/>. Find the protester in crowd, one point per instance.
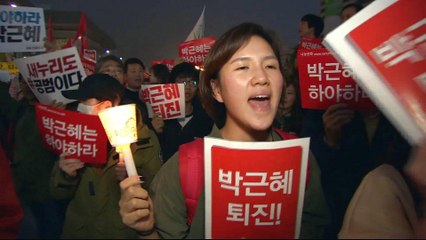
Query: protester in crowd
<point x="240" y="89"/>
<point x="382" y="207"/>
<point x="31" y="164"/>
<point x="11" y="212"/>
<point x="159" y="73"/>
<point x="416" y="171"/>
<point x="93" y="189"/>
<point x="349" y="10"/>
<point x="134" y="73"/>
<point x="196" y="122"/>
<point x="310" y="26"/>
<point x="348" y="144"/>
<point x="111" y="65"/>
<point x="289" y="114"/>
<point x="388" y="202"/>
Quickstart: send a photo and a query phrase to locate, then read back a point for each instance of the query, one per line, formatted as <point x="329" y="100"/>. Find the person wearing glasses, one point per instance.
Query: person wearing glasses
<point x="196" y="122"/>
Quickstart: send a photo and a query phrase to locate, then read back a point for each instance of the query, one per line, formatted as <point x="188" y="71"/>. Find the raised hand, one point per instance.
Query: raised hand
<point x="336" y="116"/>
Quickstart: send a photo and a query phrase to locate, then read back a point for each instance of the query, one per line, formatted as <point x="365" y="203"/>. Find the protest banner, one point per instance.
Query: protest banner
<point x="391" y="65"/>
<point x="195" y="51"/>
<point x="49" y="74"/>
<point x="167" y="99"/>
<point x="254" y="189"/>
<point x="22" y="29"/>
<point x="324" y="82"/>
<point x="82" y="135"/>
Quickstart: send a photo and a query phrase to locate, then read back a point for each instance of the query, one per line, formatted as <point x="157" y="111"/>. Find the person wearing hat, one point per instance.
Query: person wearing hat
<point x="93" y="211"/>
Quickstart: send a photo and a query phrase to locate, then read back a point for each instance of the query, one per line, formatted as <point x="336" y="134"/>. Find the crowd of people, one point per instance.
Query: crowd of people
<point x="365" y="179"/>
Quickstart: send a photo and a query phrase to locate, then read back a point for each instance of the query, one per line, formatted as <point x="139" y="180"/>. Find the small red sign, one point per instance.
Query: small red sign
<point x="324" y="82"/>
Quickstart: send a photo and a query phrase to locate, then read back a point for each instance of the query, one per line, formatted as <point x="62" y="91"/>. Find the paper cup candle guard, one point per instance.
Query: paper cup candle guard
<point x="120" y="126"/>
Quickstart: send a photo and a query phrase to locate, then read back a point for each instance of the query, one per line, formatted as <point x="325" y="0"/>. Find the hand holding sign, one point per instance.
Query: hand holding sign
<point x="157" y="122"/>
<point x="69" y="166"/>
<point x="336" y="116"/>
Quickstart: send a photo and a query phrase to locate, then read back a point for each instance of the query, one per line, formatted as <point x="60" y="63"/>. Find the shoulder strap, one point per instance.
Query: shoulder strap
<point x="287" y="136"/>
<point x="191" y="174"/>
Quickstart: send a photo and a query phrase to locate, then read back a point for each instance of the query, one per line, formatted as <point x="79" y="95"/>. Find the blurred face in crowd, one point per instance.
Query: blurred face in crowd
<point x="347" y="13"/>
<point x="113" y="69"/>
<point x="250" y="85"/>
<point x="25" y="89"/>
<point x="134" y="76"/>
<point x="152" y="78"/>
<point x="305" y="30"/>
<point x="190" y="86"/>
<point x="288" y="99"/>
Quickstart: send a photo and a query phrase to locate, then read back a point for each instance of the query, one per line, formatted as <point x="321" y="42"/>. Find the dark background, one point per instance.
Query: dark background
<point x="153" y="29"/>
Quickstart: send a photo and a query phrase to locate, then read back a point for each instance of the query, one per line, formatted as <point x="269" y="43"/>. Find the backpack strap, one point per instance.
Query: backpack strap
<point x="287" y="136"/>
<point x="191" y="174"/>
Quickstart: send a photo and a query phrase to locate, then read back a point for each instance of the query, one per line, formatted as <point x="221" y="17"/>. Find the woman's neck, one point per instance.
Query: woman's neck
<point x="237" y="133"/>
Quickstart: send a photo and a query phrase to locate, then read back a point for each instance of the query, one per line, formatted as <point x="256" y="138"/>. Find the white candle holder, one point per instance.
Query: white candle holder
<point x="120" y="126"/>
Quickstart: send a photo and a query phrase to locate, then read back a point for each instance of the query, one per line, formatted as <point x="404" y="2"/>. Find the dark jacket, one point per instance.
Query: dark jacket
<point x="32" y="162"/>
<point x="343" y="168"/>
<point x="174" y="134"/>
<point x="93" y="211"/>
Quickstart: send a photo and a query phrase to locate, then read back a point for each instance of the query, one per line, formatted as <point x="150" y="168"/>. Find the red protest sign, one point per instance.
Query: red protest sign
<point x="170" y="63"/>
<point x="390" y="66"/>
<point x="82" y="135"/>
<point x="254" y="192"/>
<point x="310" y="43"/>
<point x="167" y="99"/>
<point x="324" y="82"/>
<point x="398" y="53"/>
<point x="195" y="51"/>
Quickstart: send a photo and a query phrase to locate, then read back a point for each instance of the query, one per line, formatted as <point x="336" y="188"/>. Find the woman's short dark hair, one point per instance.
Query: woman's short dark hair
<point x="223" y="49"/>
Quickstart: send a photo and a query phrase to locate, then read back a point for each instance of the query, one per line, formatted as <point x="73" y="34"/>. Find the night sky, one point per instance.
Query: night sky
<point x="153" y="29"/>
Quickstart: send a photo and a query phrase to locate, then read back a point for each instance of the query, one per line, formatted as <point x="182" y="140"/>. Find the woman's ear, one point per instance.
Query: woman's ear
<point x="217" y="93"/>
